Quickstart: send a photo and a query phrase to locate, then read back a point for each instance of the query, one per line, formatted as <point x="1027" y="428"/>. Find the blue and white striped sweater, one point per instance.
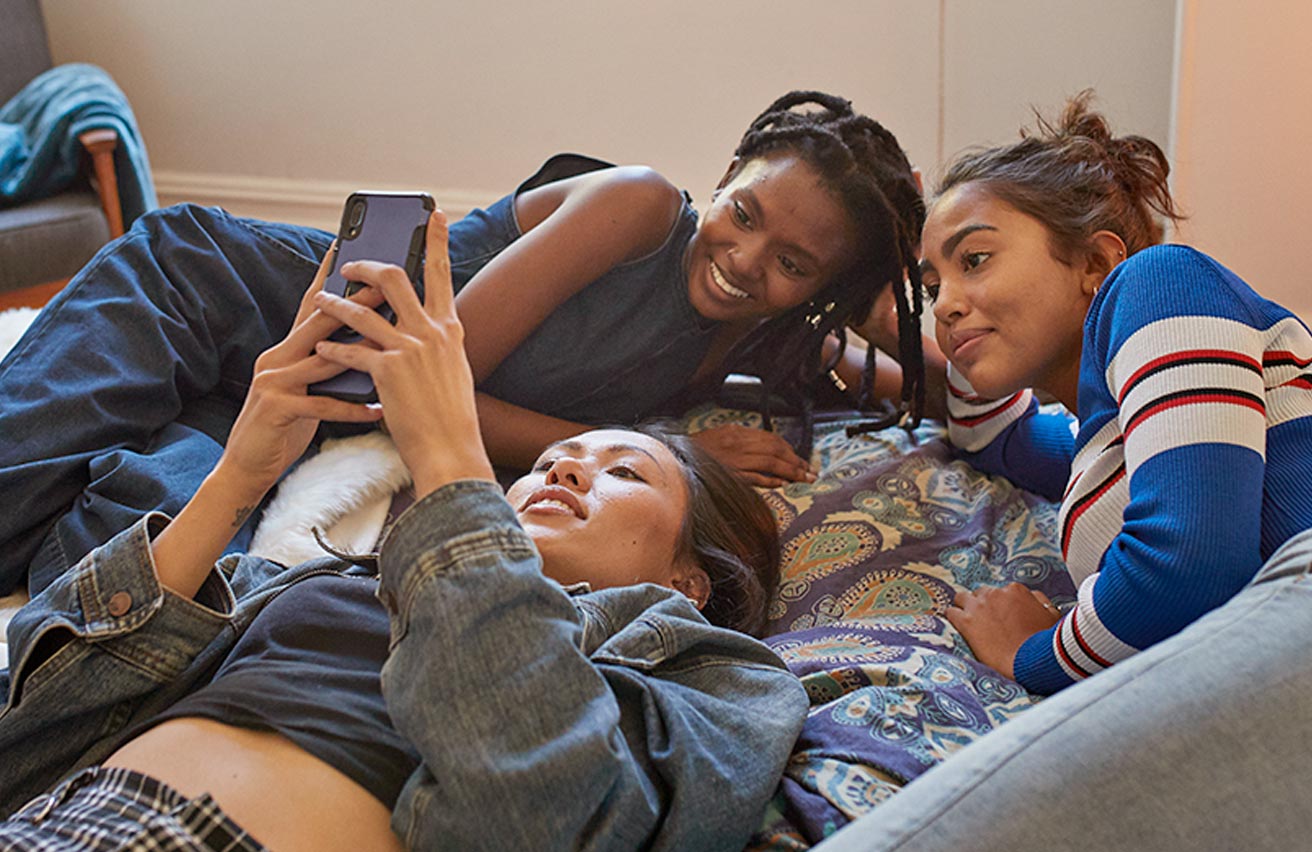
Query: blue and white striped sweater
<point x="1192" y="464"/>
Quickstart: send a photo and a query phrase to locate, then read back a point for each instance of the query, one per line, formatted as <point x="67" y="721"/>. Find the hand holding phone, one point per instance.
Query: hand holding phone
<point x="387" y="227"/>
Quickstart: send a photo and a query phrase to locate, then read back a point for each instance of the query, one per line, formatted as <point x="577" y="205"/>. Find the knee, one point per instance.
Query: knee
<point x="183" y="216"/>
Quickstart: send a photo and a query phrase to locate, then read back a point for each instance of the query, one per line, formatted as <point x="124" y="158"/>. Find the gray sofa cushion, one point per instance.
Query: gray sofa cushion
<point x="49" y="239"/>
<point x="24" y="50"/>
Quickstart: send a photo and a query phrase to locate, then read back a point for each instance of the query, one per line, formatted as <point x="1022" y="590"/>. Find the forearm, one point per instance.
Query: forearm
<point x="186" y="550"/>
<point x="515" y="436"/>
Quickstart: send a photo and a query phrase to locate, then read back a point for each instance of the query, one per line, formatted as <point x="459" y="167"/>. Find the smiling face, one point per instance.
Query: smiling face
<point x="1009" y="313"/>
<point x="772" y="238"/>
<point x="608" y="508"/>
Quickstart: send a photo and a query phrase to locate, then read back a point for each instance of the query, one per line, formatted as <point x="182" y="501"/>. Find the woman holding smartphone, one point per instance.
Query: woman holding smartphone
<point x="590" y="295"/>
<point x="473" y="695"/>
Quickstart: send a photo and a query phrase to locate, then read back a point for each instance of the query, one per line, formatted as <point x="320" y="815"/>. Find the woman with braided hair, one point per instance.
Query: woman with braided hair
<point x="593" y="294"/>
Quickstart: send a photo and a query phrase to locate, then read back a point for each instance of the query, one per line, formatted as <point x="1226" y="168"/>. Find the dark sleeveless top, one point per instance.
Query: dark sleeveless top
<point x="615" y="351"/>
<point x="309" y="668"/>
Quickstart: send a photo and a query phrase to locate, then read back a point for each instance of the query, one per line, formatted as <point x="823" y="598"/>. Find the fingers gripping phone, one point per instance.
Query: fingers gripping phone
<point x="388" y="227"/>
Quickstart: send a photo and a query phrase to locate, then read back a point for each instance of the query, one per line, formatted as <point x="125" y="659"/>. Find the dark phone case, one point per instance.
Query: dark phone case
<point x="392" y="231"/>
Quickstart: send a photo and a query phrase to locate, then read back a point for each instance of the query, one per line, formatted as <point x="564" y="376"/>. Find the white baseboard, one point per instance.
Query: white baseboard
<point x="314" y="203"/>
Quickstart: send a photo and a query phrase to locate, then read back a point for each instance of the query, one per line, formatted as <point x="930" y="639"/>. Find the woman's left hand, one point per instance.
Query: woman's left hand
<point x="995" y="622"/>
<point x="278" y="418"/>
<point x="418" y="366"/>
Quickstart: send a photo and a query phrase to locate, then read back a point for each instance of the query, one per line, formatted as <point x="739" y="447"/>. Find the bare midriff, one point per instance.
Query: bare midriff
<point x="285" y="797"/>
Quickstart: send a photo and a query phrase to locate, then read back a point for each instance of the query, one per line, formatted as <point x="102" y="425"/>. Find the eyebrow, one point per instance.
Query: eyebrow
<point x="810" y="259"/>
<point x="573" y="446"/>
<point x="951" y="243"/>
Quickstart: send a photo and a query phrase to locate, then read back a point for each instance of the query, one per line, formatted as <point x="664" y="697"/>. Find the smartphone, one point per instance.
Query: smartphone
<point x="388" y="227"/>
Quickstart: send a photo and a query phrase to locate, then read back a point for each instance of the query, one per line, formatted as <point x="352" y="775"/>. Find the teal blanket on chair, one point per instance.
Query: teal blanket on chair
<point x="39" y="151"/>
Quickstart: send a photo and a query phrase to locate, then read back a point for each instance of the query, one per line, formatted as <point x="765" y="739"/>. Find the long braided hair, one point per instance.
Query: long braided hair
<point x="865" y="168"/>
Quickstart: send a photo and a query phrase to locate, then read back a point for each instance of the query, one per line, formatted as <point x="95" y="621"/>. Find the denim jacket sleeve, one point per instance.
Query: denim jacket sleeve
<point x="88" y="652"/>
<point x="618" y="720"/>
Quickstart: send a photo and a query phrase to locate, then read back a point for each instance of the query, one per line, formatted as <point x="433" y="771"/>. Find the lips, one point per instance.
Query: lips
<point x="959" y="341"/>
<point x="722" y="283"/>
<point x="554" y="499"/>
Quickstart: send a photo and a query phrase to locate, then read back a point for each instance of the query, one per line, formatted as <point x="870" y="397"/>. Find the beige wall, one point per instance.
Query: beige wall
<point x="1244" y="118"/>
<point x="1003" y="58"/>
<point x="280" y="108"/>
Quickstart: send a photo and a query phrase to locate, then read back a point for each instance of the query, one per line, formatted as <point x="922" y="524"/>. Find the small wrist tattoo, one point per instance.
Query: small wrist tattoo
<point x="242" y="514"/>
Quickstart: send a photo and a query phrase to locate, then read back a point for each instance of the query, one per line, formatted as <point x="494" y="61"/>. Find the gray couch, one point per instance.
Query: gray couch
<point x="43" y="242"/>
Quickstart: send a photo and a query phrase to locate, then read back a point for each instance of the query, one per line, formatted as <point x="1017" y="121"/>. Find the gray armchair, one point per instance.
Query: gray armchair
<point x="44" y="242"/>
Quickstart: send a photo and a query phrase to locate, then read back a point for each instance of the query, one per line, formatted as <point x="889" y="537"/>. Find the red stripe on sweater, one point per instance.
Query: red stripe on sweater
<point x="1084" y="646"/>
<point x="1061" y="651"/>
<point x="1184" y="357"/>
<point x="1196" y="399"/>
<point x="989" y="415"/>
<point x="1285" y="356"/>
<point x="1083" y="506"/>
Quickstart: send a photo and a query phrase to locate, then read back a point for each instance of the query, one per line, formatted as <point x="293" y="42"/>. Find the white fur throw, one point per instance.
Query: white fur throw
<point x="345" y="491"/>
<point x="13" y="323"/>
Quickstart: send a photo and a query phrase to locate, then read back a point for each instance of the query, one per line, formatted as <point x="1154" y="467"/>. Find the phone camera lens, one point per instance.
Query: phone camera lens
<point x="356" y="219"/>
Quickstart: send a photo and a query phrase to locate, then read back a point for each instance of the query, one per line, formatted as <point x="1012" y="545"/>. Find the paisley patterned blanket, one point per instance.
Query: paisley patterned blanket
<point x="873" y="552"/>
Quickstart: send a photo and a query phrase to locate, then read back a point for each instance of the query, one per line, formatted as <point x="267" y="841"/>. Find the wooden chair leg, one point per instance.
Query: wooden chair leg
<point x="101" y="144"/>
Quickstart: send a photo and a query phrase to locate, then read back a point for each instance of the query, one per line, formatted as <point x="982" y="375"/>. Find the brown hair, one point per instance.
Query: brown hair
<point x="729" y="531"/>
<point x="1077" y="179"/>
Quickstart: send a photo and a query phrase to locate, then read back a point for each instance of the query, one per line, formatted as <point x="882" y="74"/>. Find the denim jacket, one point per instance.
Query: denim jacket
<point x="616" y="719"/>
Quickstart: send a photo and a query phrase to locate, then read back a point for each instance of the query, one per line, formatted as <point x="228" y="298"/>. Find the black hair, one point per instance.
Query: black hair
<point x="865" y="168"/>
<point x="729" y="531"/>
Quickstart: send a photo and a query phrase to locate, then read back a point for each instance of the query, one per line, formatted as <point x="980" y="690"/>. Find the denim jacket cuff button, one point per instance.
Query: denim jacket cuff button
<point x="119" y="604"/>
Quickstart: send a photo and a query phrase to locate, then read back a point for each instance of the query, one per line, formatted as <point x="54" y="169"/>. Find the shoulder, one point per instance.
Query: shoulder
<point x="640" y="183"/>
<point x="636" y="205"/>
<point x="1170" y="282"/>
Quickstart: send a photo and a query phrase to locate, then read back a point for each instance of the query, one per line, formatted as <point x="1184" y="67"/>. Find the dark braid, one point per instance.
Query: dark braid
<point x="863" y="165"/>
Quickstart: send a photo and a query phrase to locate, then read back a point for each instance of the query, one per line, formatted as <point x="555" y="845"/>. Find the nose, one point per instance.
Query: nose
<point x="948" y="306"/>
<point x="747" y="257"/>
<point x="571" y="473"/>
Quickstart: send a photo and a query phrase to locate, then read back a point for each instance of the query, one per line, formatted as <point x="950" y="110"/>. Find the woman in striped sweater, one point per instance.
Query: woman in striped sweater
<point x="1188" y="464"/>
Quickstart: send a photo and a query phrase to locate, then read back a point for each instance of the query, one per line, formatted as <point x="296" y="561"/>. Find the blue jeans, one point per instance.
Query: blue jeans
<point x="121" y="395"/>
<point x="1200" y="742"/>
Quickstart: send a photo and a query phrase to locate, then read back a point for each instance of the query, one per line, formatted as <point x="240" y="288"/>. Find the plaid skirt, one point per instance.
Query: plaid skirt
<point x="101" y="809"/>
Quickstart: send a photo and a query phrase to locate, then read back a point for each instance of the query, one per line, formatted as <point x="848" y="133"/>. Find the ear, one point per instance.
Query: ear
<point x="692" y="582"/>
<point x="1106" y="250"/>
<point x="919" y="177"/>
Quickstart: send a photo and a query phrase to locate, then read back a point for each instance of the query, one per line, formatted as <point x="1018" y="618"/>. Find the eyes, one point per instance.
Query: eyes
<point x="969" y="262"/>
<point x="744" y="220"/>
<point x="618" y="470"/>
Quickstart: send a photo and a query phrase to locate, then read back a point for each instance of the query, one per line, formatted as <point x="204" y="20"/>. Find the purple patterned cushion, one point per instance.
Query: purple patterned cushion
<point x="873" y="552"/>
